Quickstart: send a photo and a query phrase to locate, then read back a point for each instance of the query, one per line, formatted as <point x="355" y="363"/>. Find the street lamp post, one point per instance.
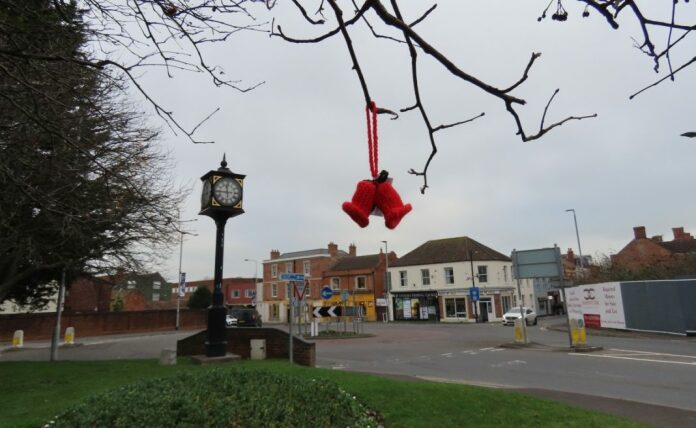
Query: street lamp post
<point x="181" y="254"/>
<point x="473" y="283"/>
<point x="221" y="199"/>
<point x="577" y="235"/>
<point x="387" y="277"/>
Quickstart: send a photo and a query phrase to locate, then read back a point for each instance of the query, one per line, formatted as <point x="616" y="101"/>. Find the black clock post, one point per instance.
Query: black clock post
<point x="221" y="199"/>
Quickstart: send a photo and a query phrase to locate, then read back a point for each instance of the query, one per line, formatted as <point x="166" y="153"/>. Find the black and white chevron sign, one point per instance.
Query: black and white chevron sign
<point x="326" y="311"/>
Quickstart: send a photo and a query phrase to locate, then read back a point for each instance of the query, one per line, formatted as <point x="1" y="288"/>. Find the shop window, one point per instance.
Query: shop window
<point x="455" y="308"/>
<point x="335" y="283"/>
<point x="361" y="282"/>
<point x="425" y="276"/>
<point x="483" y="273"/>
<point x="274" y="271"/>
<point x="274" y="290"/>
<point x="507" y="303"/>
<point x="274" y="311"/>
<point x="449" y="275"/>
<point x="403" y="278"/>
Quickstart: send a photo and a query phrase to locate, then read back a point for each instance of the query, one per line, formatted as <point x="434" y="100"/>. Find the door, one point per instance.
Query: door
<point x="485" y="308"/>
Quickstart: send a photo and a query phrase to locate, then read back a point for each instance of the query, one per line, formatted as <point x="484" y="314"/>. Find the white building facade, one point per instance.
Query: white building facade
<point x="433" y="282"/>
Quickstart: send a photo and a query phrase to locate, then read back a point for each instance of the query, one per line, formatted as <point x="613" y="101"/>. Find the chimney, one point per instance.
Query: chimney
<point x="656" y="238"/>
<point x="333" y="249"/>
<point x="275" y="254"/>
<point x="570" y="256"/>
<point x="352" y="250"/>
<point x="678" y="233"/>
<point x="639" y="232"/>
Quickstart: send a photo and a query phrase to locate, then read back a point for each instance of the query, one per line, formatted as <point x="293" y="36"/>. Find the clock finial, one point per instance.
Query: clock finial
<point x="224" y="162"/>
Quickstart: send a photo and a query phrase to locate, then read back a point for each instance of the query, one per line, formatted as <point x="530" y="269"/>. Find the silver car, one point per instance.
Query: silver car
<point x="514" y="314"/>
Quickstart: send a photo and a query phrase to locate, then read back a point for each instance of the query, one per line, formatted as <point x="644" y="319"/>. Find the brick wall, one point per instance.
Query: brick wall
<point x="239" y="343"/>
<point x="40" y="326"/>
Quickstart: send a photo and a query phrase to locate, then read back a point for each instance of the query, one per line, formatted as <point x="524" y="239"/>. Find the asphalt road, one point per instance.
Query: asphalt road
<point x="648" y="378"/>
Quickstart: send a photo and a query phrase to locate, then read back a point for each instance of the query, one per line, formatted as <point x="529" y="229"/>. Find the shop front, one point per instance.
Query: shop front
<point x="419" y="306"/>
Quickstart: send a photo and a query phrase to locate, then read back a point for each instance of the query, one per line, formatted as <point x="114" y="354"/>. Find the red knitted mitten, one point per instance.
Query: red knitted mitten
<point x="363" y="201"/>
<point x="389" y="202"/>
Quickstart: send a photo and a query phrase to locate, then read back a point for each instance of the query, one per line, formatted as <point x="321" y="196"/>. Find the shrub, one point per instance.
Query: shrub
<point x="221" y="398"/>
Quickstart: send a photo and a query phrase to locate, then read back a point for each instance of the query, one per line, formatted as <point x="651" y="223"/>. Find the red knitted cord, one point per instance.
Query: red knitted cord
<point x="372" y="143"/>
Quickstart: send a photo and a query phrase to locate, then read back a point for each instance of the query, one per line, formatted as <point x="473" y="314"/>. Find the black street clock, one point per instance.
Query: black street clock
<point x="222" y="193"/>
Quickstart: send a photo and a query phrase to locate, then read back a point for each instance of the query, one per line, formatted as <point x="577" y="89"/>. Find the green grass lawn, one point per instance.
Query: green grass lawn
<point x="33" y="392"/>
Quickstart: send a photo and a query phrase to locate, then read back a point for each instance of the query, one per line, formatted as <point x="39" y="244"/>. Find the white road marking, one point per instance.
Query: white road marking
<point x="497" y="350"/>
<point x="485" y="349"/>
<point x="650" y="360"/>
<point x="338" y="367"/>
<point x="448" y="355"/>
<point x="509" y="363"/>
<point x="653" y="353"/>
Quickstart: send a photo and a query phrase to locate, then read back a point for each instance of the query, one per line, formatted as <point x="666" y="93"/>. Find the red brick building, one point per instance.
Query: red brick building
<point x="311" y="263"/>
<point x="363" y="278"/>
<point x="237" y="291"/>
<point x="89" y="294"/>
<point x="643" y="251"/>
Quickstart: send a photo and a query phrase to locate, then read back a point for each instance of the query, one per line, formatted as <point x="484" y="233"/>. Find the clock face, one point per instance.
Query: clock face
<point x="205" y="196"/>
<point x="227" y="191"/>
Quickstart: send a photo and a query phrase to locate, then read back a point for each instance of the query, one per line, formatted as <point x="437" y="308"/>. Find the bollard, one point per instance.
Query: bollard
<point x="578" y="332"/>
<point x="519" y="332"/>
<point x="69" y="336"/>
<point x="167" y="357"/>
<point x="18" y="339"/>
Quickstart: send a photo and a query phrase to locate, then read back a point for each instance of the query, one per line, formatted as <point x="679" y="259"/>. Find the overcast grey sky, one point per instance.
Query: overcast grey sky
<point x="301" y="137"/>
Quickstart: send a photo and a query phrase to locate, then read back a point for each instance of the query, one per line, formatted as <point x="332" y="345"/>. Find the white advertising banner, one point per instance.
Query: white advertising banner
<point x="599" y="305"/>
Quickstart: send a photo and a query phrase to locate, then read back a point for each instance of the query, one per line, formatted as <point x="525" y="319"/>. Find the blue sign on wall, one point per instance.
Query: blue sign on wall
<point x="292" y="276"/>
<point x="474" y="293"/>
<point x="326" y="293"/>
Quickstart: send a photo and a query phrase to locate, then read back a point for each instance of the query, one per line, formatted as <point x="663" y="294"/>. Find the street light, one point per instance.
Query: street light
<point x="387" y="277"/>
<point x="221" y="199"/>
<point x="473" y="283"/>
<point x="181" y="254"/>
<point x="577" y="234"/>
<point x="256" y="275"/>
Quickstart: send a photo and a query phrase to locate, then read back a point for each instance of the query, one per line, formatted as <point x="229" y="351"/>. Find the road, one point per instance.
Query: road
<point x="660" y="371"/>
<point x="653" y="370"/>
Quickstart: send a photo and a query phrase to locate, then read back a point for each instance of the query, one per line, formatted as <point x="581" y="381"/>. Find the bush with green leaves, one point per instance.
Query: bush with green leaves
<point x="221" y="398"/>
<point x="201" y="298"/>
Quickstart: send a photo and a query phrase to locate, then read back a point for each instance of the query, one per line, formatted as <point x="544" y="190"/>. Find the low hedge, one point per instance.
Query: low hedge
<point x="221" y="398"/>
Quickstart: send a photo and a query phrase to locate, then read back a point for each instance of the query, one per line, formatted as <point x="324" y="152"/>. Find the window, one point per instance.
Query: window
<point x="483" y="273"/>
<point x="249" y="292"/>
<point x="505" y="273"/>
<point x="130" y="283"/>
<point x="507" y="303"/>
<point x="449" y="275"/>
<point x="274" y="271"/>
<point x="288" y="267"/>
<point x="305" y="267"/>
<point x="455" y="308"/>
<point x="235" y="294"/>
<point x="274" y="290"/>
<point x="156" y="285"/>
<point x="403" y="278"/>
<point x="360" y="282"/>
<point x="335" y="283"/>
<point x="155" y="297"/>
<point x="425" y="276"/>
<point x="288" y="290"/>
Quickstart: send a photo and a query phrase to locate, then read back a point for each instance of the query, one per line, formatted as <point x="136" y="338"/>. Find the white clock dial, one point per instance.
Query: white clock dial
<point x="227" y="191"/>
<point x="205" y="195"/>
